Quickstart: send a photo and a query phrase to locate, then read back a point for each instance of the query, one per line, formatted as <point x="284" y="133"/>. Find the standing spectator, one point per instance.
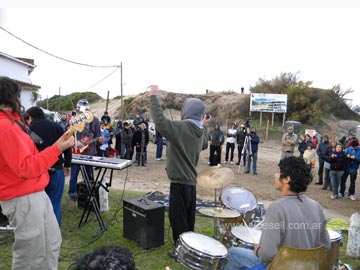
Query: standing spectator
<point x="310" y="159"/>
<point x="51" y="117"/>
<point x="90" y="132"/>
<point x="315" y="142"/>
<point x="338" y="162"/>
<point x="23" y="178"/>
<point x="117" y="134"/>
<point x="106" y="120"/>
<point x="288" y="141"/>
<point x="49" y="132"/>
<point x="303" y="143"/>
<point x="64" y="121"/>
<point x="140" y="141"/>
<point x="350" y="139"/>
<point x="321" y="151"/>
<point x="330" y="150"/>
<point x="353" y="155"/>
<point x="230" y="143"/>
<point x="187" y="138"/>
<point x="240" y="140"/>
<point x="216" y="139"/>
<point x="159" y="145"/>
<point x="254" y="141"/>
<point x="104" y="147"/>
<point x="287" y="220"/>
<point x="126" y="139"/>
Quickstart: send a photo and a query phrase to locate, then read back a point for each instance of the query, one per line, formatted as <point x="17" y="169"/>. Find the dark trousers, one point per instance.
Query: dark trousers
<point x="182" y="205"/>
<point x="229" y="147"/>
<point x="240" y="147"/>
<point x="55" y="190"/>
<point x="352" y="183"/>
<point x="215" y="155"/>
<point x="321" y="171"/>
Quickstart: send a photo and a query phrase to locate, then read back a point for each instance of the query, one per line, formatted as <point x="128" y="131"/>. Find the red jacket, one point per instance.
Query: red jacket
<point x="23" y="170"/>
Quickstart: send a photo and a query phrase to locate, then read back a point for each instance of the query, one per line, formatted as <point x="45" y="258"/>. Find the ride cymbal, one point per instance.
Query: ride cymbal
<point x="215" y="177"/>
<point x="218" y="212"/>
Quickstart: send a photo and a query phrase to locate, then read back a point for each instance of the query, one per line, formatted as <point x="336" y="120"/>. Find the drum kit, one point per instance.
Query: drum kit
<point x="238" y="223"/>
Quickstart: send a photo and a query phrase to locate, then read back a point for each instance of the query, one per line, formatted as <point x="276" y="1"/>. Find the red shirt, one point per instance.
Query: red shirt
<point x="23" y="170"/>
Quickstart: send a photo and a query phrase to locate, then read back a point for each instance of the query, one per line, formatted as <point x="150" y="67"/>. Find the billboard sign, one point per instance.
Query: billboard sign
<point x="268" y="102"/>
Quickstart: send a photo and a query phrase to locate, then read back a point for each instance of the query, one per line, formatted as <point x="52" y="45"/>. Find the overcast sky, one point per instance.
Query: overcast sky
<point x="184" y="50"/>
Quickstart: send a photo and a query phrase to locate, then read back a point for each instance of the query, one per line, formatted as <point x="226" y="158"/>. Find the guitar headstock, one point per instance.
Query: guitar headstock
<point x="78" y="122"/>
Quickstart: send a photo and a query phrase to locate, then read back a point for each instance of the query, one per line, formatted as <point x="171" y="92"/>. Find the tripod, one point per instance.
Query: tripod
<point x="246" y="150"/>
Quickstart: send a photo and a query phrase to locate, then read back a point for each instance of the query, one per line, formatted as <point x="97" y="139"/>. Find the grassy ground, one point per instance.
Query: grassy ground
<point x="79" y="241"/>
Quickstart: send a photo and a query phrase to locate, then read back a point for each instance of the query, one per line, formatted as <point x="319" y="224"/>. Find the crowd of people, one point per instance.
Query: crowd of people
<point x="337" y="161"/>
<point x="244" y="137"/>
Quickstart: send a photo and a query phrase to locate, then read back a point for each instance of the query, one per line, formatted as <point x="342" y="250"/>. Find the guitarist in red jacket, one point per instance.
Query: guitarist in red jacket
<point x="90" y="132"/>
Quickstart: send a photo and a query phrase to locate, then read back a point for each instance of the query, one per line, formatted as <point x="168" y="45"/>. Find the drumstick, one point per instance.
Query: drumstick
<point x="257" y="225"/>
<point x="247" y="228"/>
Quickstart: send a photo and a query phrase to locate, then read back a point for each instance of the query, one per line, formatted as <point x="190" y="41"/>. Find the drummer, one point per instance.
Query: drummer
<point x="295" y="220"/>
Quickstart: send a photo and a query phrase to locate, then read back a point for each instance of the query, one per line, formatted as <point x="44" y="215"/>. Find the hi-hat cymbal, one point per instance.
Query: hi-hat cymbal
<point x="215" y="177"/>
<point x="218" y="212"/>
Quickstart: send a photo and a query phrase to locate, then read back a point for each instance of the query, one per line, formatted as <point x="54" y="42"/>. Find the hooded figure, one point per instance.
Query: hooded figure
<point x="186" y="139"/>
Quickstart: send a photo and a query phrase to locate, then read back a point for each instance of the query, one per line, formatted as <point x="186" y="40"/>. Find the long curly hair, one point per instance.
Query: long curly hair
<point x="106" y="258"/>
<point x="10" y="94"/>
<point x="296" y="168"/>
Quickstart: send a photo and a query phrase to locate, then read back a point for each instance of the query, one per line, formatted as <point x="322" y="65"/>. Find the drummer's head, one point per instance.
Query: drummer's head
<point x="294" y="172"/>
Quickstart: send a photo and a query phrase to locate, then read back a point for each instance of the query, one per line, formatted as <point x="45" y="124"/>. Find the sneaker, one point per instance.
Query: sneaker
<point x="172" y="254"/>
<point x="247" y="172"/>
<point x="237" y="163"/>
<point x="209" y="163"/>
<point x="334" y="196"/>
<point x="352" y="197"/>
<point x="232" y="163"/>
<point x="340" y="195"/>
<point x="219" y="165"/>
<point x="225" y="161"/>
<point x="158" y="159"/>
<point x="255" y="173"/>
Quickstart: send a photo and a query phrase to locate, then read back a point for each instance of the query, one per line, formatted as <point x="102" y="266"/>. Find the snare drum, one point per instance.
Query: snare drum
<point x="200" y="252"/>
<point x="240" y="237"/>
<point x="333" y="254"/>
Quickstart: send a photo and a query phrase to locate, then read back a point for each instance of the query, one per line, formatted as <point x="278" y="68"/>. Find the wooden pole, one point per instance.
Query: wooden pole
<point x="267" y="131"/>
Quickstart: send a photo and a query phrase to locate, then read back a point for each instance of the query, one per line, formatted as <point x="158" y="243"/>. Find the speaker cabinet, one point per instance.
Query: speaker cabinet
<point x="143" y="222"/>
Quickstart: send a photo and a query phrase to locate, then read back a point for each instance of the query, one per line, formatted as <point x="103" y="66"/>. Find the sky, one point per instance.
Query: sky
<point x="184" y="50"/>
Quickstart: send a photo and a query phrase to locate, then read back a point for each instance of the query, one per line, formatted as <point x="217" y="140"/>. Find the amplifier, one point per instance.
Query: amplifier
<point x="83" y="196"/>
<point x="143" y="222"/>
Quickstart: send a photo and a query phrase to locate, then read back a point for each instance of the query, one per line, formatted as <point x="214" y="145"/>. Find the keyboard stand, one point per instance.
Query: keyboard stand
<point x="93" y="188"/>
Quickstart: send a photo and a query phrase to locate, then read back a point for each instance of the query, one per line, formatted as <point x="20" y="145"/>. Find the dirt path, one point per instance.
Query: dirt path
<point x="153" y="178"/>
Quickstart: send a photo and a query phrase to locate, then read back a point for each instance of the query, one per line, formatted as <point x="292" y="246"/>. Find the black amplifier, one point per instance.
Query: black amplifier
<point x="143" y="222"/>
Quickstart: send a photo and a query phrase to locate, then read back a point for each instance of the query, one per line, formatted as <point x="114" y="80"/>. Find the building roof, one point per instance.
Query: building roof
<point x="26" y="61"/>
<point x="26" y="84"/>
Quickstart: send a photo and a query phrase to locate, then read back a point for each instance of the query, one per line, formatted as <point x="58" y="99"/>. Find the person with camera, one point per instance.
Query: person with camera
<point x="254" y="140"/>
<point x="240" y="140"/>
<point x="353" y="155"/>
<point x="187" y="138"/>
<point x="230" y="143"/>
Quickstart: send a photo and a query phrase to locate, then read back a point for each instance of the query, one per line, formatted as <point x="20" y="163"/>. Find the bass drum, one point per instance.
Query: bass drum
<point x="199" y="252"/>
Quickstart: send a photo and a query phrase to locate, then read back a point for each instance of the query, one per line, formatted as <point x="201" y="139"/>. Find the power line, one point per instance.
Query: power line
<point x="103" y="79"/>
<point x="58" y="57"/>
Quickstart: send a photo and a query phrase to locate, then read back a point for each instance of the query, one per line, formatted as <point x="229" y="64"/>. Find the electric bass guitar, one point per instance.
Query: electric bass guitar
<point x="86" y="141"/>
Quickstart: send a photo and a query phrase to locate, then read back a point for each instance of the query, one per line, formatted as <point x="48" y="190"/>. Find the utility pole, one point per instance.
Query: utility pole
<point x="121" y="90"/>
<point x="59" y="103"/>
<point x="107" y="101"/>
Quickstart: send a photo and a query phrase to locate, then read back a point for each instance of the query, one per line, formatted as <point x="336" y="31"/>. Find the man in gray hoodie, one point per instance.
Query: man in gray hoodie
<point x="186" y="139"/>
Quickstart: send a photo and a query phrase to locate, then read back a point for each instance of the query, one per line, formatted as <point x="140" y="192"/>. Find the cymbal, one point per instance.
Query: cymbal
<point x="215" y="177"/>
<point x="218" y="212"/>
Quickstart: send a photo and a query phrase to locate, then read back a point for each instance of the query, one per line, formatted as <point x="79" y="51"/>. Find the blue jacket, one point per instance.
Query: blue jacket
<point x="353" y="164"/>
<point x="255" y="139"/>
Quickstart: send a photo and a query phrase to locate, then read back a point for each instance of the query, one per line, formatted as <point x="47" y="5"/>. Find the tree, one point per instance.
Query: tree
<point x="34" y="96"/>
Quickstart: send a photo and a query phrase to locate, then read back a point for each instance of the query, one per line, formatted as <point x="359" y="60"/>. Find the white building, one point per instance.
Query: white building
<point x="19" y="69"/>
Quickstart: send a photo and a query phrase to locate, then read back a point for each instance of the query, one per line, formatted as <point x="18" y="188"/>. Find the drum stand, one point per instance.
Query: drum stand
<point x="246" y="150"/>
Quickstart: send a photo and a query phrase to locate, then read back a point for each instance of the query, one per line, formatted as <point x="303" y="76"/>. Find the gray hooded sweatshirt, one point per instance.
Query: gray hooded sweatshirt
<point x="187" y="138"/>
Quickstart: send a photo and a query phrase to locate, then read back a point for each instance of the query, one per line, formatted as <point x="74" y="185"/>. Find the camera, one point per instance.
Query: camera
<point x="247" y="123"/>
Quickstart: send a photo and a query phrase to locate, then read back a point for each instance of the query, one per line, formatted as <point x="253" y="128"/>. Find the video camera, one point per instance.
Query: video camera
<point x="247" y="127"/>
